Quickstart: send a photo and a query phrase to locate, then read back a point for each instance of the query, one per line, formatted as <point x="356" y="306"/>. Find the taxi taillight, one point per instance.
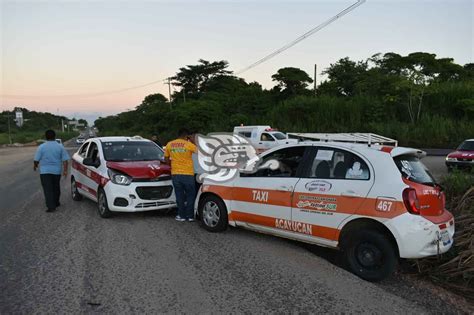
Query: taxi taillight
<point x="410" y="199"/>
<point x="443" y="200"/>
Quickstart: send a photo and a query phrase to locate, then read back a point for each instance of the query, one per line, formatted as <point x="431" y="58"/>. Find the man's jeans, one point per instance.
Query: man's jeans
<point x="51" y="189"/>
<point x="184" y="188"/>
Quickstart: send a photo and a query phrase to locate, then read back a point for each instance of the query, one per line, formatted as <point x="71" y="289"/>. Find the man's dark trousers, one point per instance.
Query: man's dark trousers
<point x="185" y="191"/>
<point x="51" y="189"/>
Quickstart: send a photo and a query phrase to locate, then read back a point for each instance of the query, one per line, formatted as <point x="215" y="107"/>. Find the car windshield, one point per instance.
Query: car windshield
<point x="124" y="151"/>
<point x="279" y="135"/>
<point x="466" y="146"/>
<point x="414" y="170"/>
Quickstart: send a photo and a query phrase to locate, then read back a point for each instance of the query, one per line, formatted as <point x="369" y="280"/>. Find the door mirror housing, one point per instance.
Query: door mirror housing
<point x="89" y="162"/>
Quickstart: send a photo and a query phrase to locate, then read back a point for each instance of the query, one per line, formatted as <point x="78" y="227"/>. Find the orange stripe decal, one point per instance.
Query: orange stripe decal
<point x="310" y="201"/>
<point x="288" y="225"/>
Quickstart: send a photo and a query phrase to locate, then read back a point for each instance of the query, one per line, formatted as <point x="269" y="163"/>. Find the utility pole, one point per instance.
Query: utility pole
<point x="169" y="90"/>
<point x="184" y="94"/>
<point x="315" y="76"/>
<point x="62" y="125"/>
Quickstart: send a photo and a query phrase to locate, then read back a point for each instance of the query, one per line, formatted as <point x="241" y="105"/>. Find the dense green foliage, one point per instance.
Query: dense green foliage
<point x="35" y="124"/>
<point x="417" y="99"/>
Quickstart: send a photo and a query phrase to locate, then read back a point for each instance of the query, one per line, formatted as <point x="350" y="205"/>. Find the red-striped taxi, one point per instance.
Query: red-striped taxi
<point x="122" y="174"/>
<point x="376" y="203"/>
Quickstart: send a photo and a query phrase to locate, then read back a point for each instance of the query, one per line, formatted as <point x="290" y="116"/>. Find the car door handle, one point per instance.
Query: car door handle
<point x="350" y="193"/>
<point x="285" y="188"/>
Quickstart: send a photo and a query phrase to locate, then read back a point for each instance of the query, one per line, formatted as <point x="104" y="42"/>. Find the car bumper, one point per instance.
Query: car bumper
<point x="126" y="198"/>
<point x="418" y="237"/>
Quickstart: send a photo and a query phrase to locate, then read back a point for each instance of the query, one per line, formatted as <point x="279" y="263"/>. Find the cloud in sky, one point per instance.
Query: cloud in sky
<point x="63" y="48"/>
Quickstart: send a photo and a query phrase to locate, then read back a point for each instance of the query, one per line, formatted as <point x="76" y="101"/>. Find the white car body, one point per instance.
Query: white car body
<point x="263" y="137"/>
<point x="323" y="208"/>
<point x="150" y="187"/>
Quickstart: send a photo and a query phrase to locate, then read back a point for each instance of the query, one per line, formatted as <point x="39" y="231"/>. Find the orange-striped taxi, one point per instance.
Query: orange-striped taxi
<point x="375" y="203"/>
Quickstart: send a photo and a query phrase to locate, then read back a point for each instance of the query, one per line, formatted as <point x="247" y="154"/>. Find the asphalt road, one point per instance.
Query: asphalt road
<point x="72" y="261"/>
<point x="436" y="165"/>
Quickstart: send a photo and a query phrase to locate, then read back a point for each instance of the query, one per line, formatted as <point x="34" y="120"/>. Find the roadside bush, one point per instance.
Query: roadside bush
<point x="455" y="269"/>
<point x="456" y="185"/>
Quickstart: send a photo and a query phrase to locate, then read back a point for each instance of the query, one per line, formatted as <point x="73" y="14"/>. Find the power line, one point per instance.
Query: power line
<point x="253" y="65"/>
<point x="86" y="94"/>
<point x="302" y="37"/>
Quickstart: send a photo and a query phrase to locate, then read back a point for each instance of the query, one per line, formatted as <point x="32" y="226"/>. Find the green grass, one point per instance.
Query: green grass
<point x="30" y="136"/>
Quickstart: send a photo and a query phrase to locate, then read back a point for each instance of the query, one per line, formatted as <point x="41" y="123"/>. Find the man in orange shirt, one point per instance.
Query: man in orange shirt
<point x="180" y="152"/>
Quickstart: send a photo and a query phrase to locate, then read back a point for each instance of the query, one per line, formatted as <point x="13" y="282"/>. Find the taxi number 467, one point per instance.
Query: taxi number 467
<point x="384" y="205"/>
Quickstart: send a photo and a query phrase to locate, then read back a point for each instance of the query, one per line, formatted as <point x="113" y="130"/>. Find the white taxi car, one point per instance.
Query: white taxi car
<point x="122" y="174"/>
<point x="376" y="203"/>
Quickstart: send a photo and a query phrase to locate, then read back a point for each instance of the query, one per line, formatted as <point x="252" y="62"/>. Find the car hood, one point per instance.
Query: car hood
<point x="462" y="154"/>
<point x="141" y="169"/>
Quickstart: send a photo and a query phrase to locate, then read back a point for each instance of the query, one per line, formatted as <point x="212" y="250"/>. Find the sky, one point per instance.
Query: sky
<point x="52" y="52"/>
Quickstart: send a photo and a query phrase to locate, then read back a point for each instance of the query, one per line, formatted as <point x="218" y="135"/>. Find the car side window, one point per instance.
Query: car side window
<point x="266" y="137"/>
<point x="289" y="160"/>
<point x="331" y="163"/>
<point x="93" y="152"/>
<point x="83" y="150"/>
<point x="246" y="134"/>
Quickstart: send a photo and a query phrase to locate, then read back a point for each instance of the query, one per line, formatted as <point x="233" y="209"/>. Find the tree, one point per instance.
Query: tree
<point x="194" y="78"/>
<point x="150" y="101"/>
<point x="343" y="77"/>
<point x="292" y="81"/>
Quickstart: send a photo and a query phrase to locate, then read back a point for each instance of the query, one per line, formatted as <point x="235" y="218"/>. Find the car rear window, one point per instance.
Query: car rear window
<point x="466" y="146"/>
<point x="122" y="151"/>
<point x="279" y="135"/>
<point x="414" y="170"/>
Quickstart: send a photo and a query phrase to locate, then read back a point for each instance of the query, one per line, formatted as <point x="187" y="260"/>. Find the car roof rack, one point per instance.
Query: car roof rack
<point x="357" y="137"/>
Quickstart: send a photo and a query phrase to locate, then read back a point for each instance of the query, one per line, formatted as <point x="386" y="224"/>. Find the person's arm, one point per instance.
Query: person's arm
<point x="37" y="158"/>
<point x="167" y="154"/>
<point x="191" y="147"/>
<point x="65" y="157"/>
<point x="65" y="168"/>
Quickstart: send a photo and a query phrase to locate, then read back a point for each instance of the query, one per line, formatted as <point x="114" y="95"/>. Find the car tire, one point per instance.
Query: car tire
<point x="370" y="255"/>
<point x="76" y="196"/>
<point x="213" y="213"/>
<point x="102" y="205"/>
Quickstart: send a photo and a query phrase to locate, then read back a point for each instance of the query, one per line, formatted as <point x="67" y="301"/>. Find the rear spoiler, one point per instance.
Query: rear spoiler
<point x="397" y="151"/>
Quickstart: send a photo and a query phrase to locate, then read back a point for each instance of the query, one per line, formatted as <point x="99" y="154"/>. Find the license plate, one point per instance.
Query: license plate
<point x="445" y="237"/>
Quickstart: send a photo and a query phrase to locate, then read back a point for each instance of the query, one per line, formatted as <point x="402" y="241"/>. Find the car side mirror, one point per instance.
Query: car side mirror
<point x="89" y="162"/>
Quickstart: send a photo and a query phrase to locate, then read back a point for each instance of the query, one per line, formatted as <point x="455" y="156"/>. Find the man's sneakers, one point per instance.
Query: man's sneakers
<point x="50" y="210"/>
<point x="180" y="219"/>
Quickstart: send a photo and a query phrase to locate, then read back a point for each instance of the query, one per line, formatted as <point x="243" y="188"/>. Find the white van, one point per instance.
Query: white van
<point x="263" y="137"/>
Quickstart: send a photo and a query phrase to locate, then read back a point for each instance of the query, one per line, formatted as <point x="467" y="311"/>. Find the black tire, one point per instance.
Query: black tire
<point x="213" y="214"/>
<point x="102" y="205"/>
<point x="370" y="255"/>
<point x="76" y="196"/>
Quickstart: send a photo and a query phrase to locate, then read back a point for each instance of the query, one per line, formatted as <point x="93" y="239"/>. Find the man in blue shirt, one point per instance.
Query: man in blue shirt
<point x="50" y="156"/>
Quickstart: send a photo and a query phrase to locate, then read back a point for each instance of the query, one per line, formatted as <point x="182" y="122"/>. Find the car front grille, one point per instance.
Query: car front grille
<point x="156" y="179"/>
<point x="145" y="205"/>
<point x="154" y="192"/>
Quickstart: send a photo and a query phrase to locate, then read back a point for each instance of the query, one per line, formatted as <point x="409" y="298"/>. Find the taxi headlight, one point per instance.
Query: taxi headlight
<point x="119" y="178"/>
<point x="450" y="159"/>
